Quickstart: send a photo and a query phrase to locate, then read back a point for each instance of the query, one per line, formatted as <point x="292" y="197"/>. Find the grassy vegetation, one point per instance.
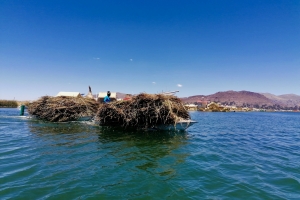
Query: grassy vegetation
<point x="23" y="103"/>
<point x="8" y="104"/>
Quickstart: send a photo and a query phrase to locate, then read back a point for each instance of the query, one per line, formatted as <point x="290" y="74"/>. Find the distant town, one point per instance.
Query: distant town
<point x="207" y="106"/>
<point x="243" y="101"/>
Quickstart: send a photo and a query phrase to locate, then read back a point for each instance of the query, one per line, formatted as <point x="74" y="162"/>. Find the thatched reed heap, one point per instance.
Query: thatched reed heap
<point x="62" y="108"/>
<point x="215" y="107"/>
<point x="143" y="111"/>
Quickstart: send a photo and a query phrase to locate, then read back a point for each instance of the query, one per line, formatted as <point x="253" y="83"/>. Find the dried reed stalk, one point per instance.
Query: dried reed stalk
<point x="143" y="111"/>
<point x="62" y="109"/>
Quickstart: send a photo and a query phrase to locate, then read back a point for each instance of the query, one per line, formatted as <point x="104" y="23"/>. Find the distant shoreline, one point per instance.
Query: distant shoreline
<point x="12" y="103"/>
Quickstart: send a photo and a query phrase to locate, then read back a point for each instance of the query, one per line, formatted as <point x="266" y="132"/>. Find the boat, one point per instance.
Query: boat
<point x="80" y="119"/>
<point x="179" y="126"/>
<point x="85" y="118"/>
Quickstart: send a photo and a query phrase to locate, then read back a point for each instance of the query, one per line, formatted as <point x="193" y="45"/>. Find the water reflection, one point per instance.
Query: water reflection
<point x="155" y="152"/>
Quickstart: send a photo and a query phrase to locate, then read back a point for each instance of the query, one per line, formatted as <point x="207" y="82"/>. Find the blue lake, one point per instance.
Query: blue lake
<point x="249" y="155"/>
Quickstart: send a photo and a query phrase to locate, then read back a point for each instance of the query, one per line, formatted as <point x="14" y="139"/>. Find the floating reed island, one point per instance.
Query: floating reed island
<point x="139" y="112"/>
<point x="143" y="111"/>
<point x="63" y="108"/>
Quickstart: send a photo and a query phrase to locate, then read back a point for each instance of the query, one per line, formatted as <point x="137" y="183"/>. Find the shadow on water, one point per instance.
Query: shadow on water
<point x="119" y="158"/>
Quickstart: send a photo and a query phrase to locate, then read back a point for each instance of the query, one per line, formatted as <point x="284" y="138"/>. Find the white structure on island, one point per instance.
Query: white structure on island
<point x="191" y="107"/>
<point x="68" y="94"/>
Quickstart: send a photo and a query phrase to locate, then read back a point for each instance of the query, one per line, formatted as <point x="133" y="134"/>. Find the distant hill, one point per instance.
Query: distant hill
<point x="289" y="100"/>
<point x="247" y="98"/>
<point x="121" y="95"/>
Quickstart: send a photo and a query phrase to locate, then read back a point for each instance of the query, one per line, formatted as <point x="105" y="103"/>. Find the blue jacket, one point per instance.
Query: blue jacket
<point x="106" y="99"/>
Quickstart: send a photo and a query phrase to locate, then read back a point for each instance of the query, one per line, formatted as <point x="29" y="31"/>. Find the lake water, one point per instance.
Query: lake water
<point x="225" y="156"/>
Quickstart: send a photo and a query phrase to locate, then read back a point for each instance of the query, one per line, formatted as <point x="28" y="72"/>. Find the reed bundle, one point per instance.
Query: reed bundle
<point x="62" y="109"/>
<point x="142" y="111"/>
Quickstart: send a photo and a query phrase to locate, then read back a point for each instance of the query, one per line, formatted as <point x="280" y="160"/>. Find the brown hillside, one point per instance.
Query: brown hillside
<point x="233" y="97"/>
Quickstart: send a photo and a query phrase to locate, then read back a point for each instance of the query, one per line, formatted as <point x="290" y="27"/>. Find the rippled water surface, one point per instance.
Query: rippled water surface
<point x="224" y="156"/>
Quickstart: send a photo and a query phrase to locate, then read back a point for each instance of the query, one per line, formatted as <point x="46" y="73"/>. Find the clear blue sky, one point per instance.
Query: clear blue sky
<point x="194" y="46"/>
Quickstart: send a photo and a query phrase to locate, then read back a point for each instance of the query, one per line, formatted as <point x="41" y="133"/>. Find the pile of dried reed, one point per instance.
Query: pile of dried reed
<point x="142" y="111"/>
<point x="62" y="109"/>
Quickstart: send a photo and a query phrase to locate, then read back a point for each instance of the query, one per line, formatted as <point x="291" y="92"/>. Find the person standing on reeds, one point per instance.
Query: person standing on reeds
<point x="106" y="98"/>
